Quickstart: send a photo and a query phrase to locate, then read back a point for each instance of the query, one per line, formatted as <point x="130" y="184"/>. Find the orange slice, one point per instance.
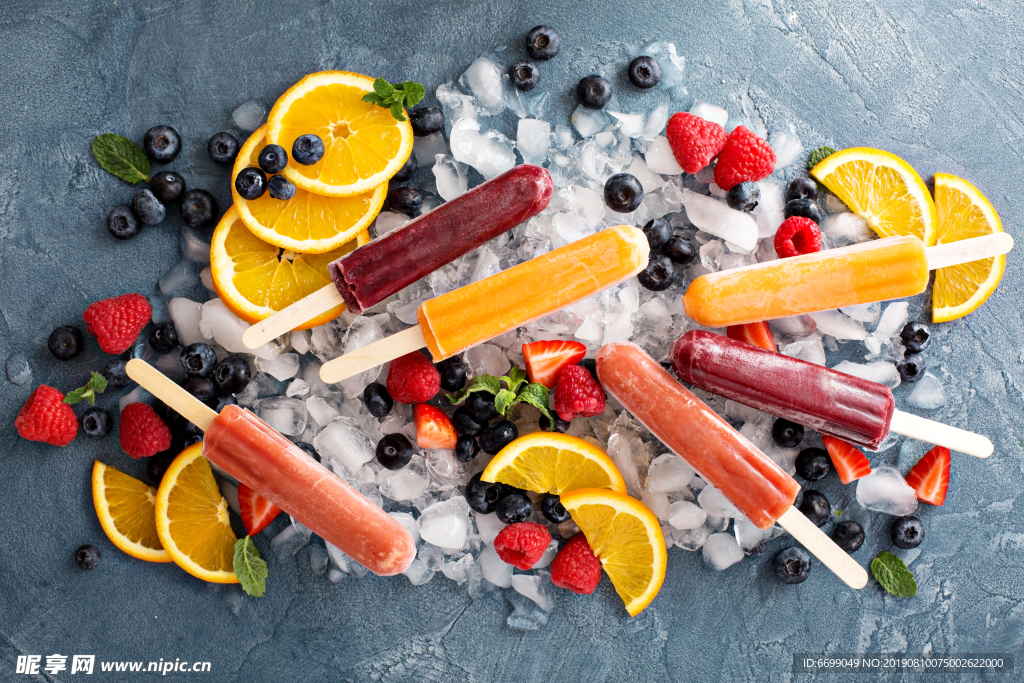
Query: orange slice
<point x="126" y="509"/>
<point x="549" y="462"/>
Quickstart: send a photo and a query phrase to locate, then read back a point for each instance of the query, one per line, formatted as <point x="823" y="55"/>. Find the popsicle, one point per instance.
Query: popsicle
<point x="883" y="269"/>
<point x="249" y="450"/>
<point x="453" y="322"/>
<point x="758" y="487"/>
<point x="811" y="395"/>
<point x="375" y="271"/>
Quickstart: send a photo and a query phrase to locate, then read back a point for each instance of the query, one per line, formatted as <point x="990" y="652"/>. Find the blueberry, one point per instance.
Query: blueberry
<point x="163" y="337"/>
<point x="543" y="43"/>
<point x="308" y="449"/>
<point x="787" y="434"/>
<point x="497" y="436"/>
<point x="916" y="337"/>
<point x="223" y="148"/>
<point x="191" y="440"/>
<point x="122" y="223"/>
<point x="426" y="121"/>
<point x="407" y="200"/>
<point x="95" y="423"/>
<point x="116" y="374"/>
<point x="792" y="565"/>
<point x="65" y="342"/>
<point x="623" y="193"/>
<point x="591" y="365"/>
<point x="161" y="144"/>
<point x="466" y="447"/>
<point x="377" y="399"/>
<point x="799" y="500"/>
<point x="679" y="250"/>
<point x="308" y="149"/>
<point x="848" y="535"/>
<point x="272" y="159"/>
<point x="912" y="368"/>
<point x="199" y="360"/>
<point x="481" y="405"/>
<point x="803" y="207"/>
<point x="658" y="231"/>
<point x="744" y="197"/>
<point x="250" y="183"/>
<point x="280" y="187"/>
<point x="815" y="507"/>
<point x="906" y="532"/>
<point x="552" y="508"/>
<point x="158" y="465"/>
<point x="465" y="423"/>
<point x="198" y="208"/>
<point x="232" y="374"/>
<point x="644" y="72"/>
<point x="148" y="208"/>
<point x="514" y="507"/>
<point x="222" y="401"/>
<point x="408" y="168"/>
<point x="453" y="373"/>
<point x="168" y="186"/>
<point x="202" y="388"/>
<point x="483" y="496"/>
<point x="593" y="91"/>
<point x="659" y="273"/>
<point x="561" y="426"/>
<point x="394" y="451"/>
<point x="813" y="463"/>
<point x="524" y="75"/>
<point x="802" y="188"/>
<point x="87" y="557"/>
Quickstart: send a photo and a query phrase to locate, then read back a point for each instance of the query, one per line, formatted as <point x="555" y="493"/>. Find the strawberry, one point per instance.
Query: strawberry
<point x="545" y="359"/>
<point x="745" y="157"/>
<point x="756" y="334"/>
<point x="797" y="235"/>
<point x="522" y="544"/>
<point x="434" y="429"/>
<point x="578" y="394"/>
<point x="930" y="476"/>
<point x="117" y="322"/>
<point x="257" y="511"/>
<point x="45" y="417"/>
<point x="576" y="567"/>
<point x="413" y="379"/>
<point x="849" y="462"/>
<point x="694" y="141"/>
<point x="142" y="432"/>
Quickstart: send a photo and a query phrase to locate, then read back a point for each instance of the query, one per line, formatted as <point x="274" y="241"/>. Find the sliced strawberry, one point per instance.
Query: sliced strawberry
<point x="849" y="462"/>
<point x="257" y="511"/>
<point x="930" y="476"/>
<point x="758" y="334"/>
<point x="545" y="359"/>
<point x="433" y="428"/>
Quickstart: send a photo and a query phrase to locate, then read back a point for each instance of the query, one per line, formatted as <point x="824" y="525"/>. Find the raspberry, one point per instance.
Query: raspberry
<point x="694" y="141"/>
<point x="744" y="157"/>
<point x="142" y="431"/>
<point x="413" y="379"/>
<point x="797" y="235"/>
<point x="522" y="544"/>
<point x="117" y="322"/>
<point x="578" y="394"/>
<point x="575" y="567"/>
<point x="45" y="417"/>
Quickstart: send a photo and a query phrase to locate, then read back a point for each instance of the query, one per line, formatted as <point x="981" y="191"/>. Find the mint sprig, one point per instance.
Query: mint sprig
<point x="97" y="384"/>
<point x="395" y="97"/>
<point x="508" y="390"/>
<point x="250" y="568"/>
<point x="120" y="156"/>
<point x="819" y="155"/>
<point x="893" y="575"/>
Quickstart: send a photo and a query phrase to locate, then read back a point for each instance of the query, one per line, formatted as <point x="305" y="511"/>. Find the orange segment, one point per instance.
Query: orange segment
<point x="549" y="462"/>
<point x="126" y="509"/>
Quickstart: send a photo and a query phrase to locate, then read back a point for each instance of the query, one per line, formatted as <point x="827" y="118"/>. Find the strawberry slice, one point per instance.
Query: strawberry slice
<point x="849" y="462"/>
<point x="545" y="359"/>
<point x="433" y="428"/>
<point x="930" y="476"/>
<point x="758" y="334"/>
<point x="257" y="511"/>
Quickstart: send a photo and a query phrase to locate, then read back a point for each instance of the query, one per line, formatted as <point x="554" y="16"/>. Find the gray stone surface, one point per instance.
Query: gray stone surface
<point x="937" y="83"/>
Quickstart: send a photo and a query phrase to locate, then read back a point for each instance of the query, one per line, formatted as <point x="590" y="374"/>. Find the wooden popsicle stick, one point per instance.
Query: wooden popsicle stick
<point x="287" y="319"/>
<point x="372" y="355"/>
<point x="965" y="251"/>
<point x="824" y="548"/>
<point x="187" y="405"/>
<point x="953" y="438"/>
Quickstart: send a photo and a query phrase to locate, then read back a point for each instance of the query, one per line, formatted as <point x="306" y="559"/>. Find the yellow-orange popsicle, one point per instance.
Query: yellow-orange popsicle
<point x="861" y="273"/>
<point x="455" y="321"/>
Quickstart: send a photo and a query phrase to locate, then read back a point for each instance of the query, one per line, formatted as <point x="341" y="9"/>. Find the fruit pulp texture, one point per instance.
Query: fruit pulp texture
<point x="746" y="476"/>
<point x="862" y="273"/>
<point x="808" y="394"/>
<point x="249" y="450"/>
<point x="455" y="321"/>
<point x="387" y="265"/>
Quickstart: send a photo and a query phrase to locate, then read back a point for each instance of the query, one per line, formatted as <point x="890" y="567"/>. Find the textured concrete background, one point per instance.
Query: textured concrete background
<point x="939" y="83"/>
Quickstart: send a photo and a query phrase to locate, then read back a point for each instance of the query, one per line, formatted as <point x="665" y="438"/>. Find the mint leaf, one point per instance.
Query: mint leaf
<point x="395" y="97"/>
<point x="819" y="155"/>
<point x="893" y="575"/>
<point x="398" y="112"/>
<point x="120" y="156"/>
<point x="503" y="401"/>
<point x="537" y="396"/>
<point x="250" y="567"/>
<point x="414" y="92"/>
<point x="382" y="87"/>
<point x="516" y="378"/>
<point x="97" y="385"/>
<point x="479" y="383"/>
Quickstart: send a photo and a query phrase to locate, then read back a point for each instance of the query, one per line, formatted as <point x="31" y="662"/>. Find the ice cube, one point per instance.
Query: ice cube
<point x="387" y="221"/>
<point x="406" y="484"/>
<point x="286" y="415"/>
<point x="721" y="551"/>
<point x="768" y="223"/>
<point x="711" y="255"/>
<point x="136" y="395"/>
<point x="685" y="515"/>
<point x="318" y="559"/>
<point x="344" y="445"/>
<point x="288" y="542"/>
<point x="322" y="412"/>
<point x="691" y="539"/>
<point x="672" y="65"/>
<point x="428" y="147"/>
<point x="536" y="588"/>
<point x="418" y="574"/>
<point x="281" y="368"/>
<point x="810" y="349"/>
<point x="710" y="112"/>
<point x="483" y="79"/>
<point x="488" y="151"/>
<point x="548" y="556"/>
<point x="717" y="218"/>
<point x="180" y="275"/>
<point x="787" y="149"/>
<point x="227" y="328"/>
<point x="489" y="526"/>
<point x="344" y="562"/>
<point x="838" y="325"/>
<point x="495" y="569"/>
<point x="927" y="393"/>
<point x="486" y="359"/>
<point x="749" y="536"/>
<point x="629" y="453"/>
<point x="533" y="138"/>
<point x="885" y="490"/>
<point x="657" y="503"/>
<point x="431" y="556"/>
<point x="631" y="125"/>
<point x="486" y="265"/>
<point x="450" y="176"/>
<point x="893" y="320"/>
<point x="846" y="228"/>
<point x="773" y="196"/>
<point x="865" y="313"/>
<point x="590" y="122"/>
<point x="668" y="473"/>
<point x="458" y="571"/>
<point x="250" y="115"/>
<point x="194" y="247"/>
<point x="650" y="180"/>
<point x="18" y="370"/>
<point x="659" y="157"/>
<point x="446" y="524"/>
<point x="170" y="365"/>
<point x="297" y="389"/>
<point x="715" y="503"/>
<point x="409" y="522"/>
<point x="363" y="331"/>
<point x="206" y="277"/>
<point x="526" y="615"/>
<point x="455" y="104"/>
<point x="562" y="138"/>
<point x="794" y="327"/>
<point x="882" y="372"/>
